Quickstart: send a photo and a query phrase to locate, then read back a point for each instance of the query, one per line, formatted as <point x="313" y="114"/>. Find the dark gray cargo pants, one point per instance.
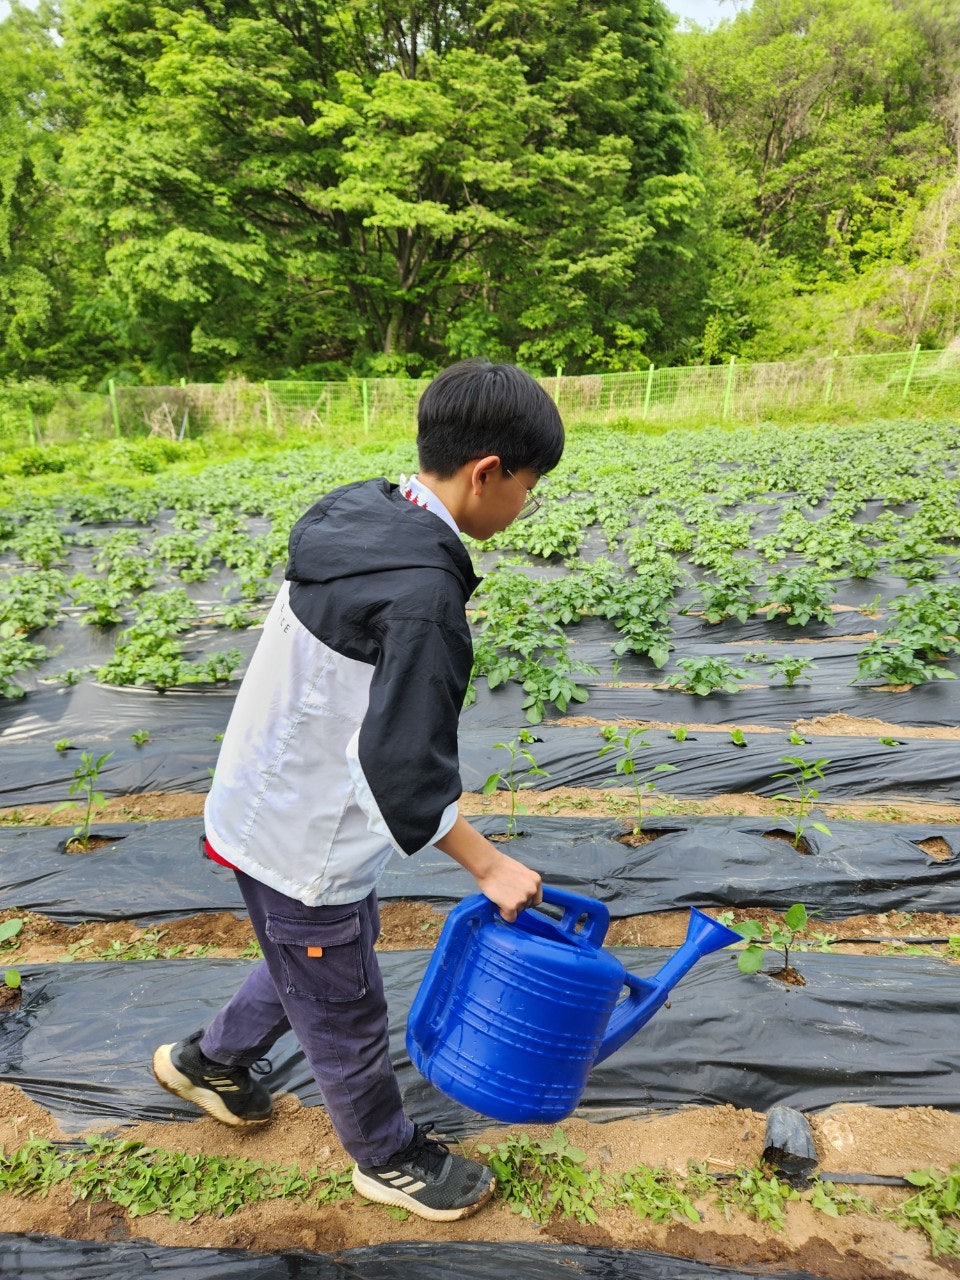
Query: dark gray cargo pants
<point x="320" y="977"/>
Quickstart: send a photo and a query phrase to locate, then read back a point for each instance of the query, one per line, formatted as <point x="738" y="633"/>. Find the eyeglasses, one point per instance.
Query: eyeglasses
<point x="531" y="503"/>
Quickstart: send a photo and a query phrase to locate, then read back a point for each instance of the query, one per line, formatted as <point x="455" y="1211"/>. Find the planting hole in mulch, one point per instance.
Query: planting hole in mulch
<point x="798" y="846"/>
<point x="9" y="998"/>
<point x="936" y="847"/>
<point x="637" y="838"/>
<point x="76" y="845"/>
<point x="788" y="975"/>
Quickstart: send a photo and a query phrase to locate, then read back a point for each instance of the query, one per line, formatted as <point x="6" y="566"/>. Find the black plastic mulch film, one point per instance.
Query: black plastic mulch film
<point x="880" y="1033"/>
<point x="184" y="724"/>
<point x="861" y="1030"/>
<point x="36" y="1257"/>
<point x="154" y="870"/>
<point x="183" y="746"/>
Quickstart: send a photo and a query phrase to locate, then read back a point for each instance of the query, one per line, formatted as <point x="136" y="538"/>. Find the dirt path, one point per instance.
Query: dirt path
<point x="857" y="1246"/>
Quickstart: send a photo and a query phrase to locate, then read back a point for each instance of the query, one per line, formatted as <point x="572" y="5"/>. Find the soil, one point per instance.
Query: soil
<point x="849" y="1139"/>
<point x="416" y="925"/>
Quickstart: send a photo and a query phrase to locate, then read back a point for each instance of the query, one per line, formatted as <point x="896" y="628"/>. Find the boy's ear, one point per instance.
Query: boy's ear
<point x="480" y="469"/>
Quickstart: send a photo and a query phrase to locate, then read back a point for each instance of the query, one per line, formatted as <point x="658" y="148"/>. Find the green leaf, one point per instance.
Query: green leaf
<point x="796" y="917"/>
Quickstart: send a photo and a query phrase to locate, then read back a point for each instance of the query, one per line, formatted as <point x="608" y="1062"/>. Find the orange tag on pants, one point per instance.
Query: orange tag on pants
<point x="314" y="951"/>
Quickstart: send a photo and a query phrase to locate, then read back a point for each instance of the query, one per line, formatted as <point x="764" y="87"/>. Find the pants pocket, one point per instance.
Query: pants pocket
<point x="320" y="960"/>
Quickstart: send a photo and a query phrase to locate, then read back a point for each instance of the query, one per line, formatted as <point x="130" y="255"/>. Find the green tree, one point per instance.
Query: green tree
<point x="834" y="121"/>
<point x="309" y="186"/>
<point x="29" y="108"/>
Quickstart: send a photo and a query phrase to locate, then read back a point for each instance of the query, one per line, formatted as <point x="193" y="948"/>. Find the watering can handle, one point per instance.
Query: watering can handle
<point x="631" y="1013"/>
<point x="575" y="908"/>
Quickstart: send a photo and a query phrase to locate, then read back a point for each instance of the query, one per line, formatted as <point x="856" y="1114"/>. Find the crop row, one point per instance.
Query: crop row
<point x="712" y="514"/>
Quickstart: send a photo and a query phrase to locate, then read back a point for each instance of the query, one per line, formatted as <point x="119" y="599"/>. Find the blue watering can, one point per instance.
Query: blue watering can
<point x="510" y="1018"/>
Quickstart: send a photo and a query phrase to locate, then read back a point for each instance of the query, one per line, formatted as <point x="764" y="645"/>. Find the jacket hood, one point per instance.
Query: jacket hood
<point x="370" y="527"/>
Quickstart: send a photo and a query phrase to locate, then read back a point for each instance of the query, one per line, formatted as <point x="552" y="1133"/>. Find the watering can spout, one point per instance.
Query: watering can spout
<point x="647" y="995"/>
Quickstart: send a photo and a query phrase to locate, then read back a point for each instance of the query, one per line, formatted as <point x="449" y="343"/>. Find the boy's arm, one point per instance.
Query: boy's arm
<point x="506" y="882"/>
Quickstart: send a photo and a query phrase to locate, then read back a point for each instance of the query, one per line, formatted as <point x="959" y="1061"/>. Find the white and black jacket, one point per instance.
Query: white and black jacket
<point x="342" y="744"/>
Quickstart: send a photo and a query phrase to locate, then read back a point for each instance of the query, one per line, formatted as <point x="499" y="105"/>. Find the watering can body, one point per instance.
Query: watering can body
<point x="510" y="1018"/>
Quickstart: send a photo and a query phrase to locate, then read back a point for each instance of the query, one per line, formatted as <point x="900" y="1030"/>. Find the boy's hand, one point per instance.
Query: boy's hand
<point x="507" y="883"/>
<point x="511" y="886"/>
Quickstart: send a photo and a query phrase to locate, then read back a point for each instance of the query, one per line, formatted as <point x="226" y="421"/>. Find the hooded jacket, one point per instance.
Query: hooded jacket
<point x="342" y="743"/>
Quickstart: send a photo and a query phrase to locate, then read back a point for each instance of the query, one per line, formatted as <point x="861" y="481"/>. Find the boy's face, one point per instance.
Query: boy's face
<point x="501" y="498"/>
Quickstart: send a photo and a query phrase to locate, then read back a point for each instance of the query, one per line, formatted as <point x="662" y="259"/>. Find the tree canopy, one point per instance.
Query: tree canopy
<point x="210" y="188"/>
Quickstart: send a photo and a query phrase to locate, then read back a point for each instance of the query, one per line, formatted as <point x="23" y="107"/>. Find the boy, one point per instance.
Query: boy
<point x="341" y="747"/>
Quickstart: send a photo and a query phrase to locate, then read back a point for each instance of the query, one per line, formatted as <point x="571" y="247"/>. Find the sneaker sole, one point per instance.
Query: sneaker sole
<point x="370" y="1189"/>
<point x="174" y="1081"/>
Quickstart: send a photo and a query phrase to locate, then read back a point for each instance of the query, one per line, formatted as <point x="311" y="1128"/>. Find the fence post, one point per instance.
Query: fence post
<point x="729" y="389"/>
<point x="828" y="390"/>
<point x="112" y="390"/>
<point x="647" y="393"/>
<point x="31" y="425"/>
<point x="559" y="376"/>
<point x="913" y="365"/>
<point x="365" y="396"/>
<point x="266" y="400"/>
<point x="185" y="420"/>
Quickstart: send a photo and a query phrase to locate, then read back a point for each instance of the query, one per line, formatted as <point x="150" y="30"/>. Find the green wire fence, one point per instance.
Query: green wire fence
<point x="913" y="382"/>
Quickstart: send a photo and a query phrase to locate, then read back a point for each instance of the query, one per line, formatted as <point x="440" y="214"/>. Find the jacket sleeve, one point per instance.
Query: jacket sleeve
<point x="404" y="759"/>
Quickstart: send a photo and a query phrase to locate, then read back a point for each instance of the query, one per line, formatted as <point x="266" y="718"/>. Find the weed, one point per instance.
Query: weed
<point x="752" y="1191"/>
<point x="653" y="1193"/>
<point x="835" y="1201"/>
<point x="760" y="1196"/>
<point x="518" y="752"/>
<point x="144" y="947"/>
<point x="145" y="1180"/>
<point x="252" y="951"/>
<point x="536" y="1178"/>
<point x="937" y="1199"/>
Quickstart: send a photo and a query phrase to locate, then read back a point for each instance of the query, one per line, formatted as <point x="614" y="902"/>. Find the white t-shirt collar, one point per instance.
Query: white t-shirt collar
<point x="417" y="492"/>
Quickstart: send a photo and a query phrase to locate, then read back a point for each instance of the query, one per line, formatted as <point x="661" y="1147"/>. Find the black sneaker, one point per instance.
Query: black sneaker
<point x="229" y="1094"/>
<point x="428" y="1180"/>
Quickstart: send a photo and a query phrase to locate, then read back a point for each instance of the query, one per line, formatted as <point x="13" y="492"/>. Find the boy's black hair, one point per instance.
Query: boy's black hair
<point x="475" y="408"/>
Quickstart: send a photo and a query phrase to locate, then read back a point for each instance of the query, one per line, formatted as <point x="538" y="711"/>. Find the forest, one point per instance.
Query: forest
<point x="216" y="189"/>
